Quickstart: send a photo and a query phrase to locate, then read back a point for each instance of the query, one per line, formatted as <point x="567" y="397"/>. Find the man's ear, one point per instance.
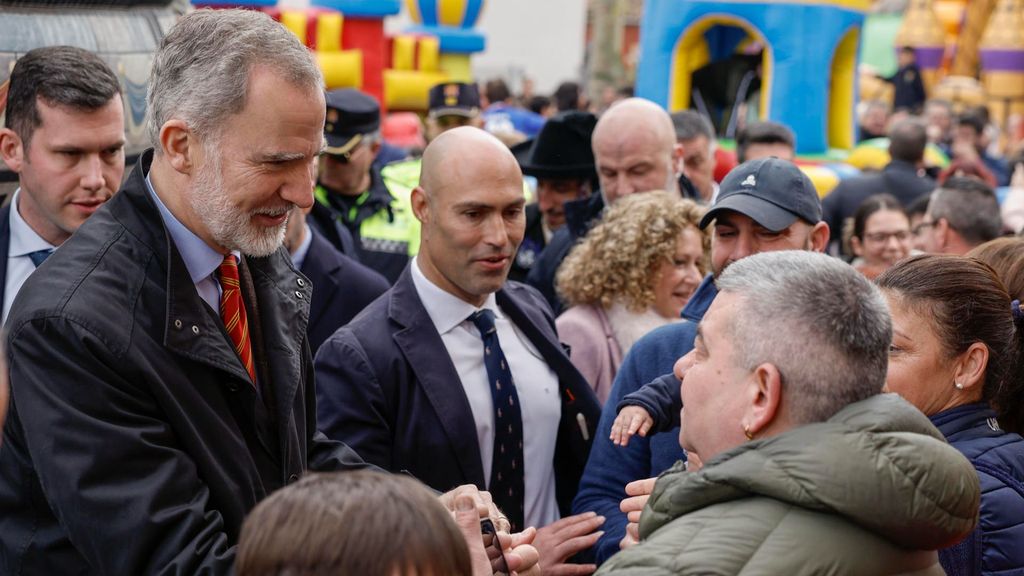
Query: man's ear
<point x="819" y="237"/>
<point x="677" y="159"/>
<point x="420" y="207"/>
<point x="178" y="144"/>
<point x="765" y="397"/>
<point x="942" y="232"/>
<point x="12" y="149"/>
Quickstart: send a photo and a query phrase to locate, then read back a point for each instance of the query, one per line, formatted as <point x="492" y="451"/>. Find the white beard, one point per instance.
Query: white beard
<point x="230" y="227"/>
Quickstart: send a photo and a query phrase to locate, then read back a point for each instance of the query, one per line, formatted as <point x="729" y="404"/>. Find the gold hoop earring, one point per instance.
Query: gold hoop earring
<point x="746" y="432"/>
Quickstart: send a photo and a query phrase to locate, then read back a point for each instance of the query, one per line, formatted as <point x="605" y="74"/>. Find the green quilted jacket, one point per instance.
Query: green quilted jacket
<point x="872" y="491"/>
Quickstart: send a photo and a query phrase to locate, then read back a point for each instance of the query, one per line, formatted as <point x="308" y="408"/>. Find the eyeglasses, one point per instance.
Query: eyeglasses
<point x="883" y="237"/>
<point x="921" y="227"/>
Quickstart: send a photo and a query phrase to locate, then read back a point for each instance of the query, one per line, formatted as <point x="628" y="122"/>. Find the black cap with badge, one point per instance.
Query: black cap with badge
<point x="454" y="99"/>
<point x="351" y="115"/>
<point x="772" y="192"/>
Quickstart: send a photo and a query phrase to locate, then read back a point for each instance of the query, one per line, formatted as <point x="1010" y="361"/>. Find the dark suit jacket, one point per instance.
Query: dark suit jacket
<point x="342" y="287"/>
<point x="5" y="246"/>
<point x="386" y="385"/>
<point x="898" y="178"/>
<point x="531" y="247"/>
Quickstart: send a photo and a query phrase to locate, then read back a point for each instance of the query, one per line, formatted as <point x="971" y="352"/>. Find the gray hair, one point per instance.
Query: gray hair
<point x="821" y="323"/>
<point x="689" y="124"/>
<point x="970" y="207"/>
<point x="201" y="71"/>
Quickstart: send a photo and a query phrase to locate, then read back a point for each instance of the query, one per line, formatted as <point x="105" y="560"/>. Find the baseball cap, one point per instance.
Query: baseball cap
<point x="772" y="192"/>
<point x="351" y="114"/>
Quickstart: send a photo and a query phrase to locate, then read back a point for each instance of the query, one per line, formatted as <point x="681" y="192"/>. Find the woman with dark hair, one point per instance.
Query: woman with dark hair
<point x="880" y="235"/>
<point x="956" y="355"/>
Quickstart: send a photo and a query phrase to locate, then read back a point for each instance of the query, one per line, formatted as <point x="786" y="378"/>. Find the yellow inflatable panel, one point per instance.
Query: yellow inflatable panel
<point x="296" y="22"/>
<point x="403" y="53"/>
<point x="824" y="180"/>
<point x="407" y="89"/>
<point x="430" y="54"/>
<point x="341" y="69"/>
<point x="328" y="32"/>
<point x="456" y="67"/>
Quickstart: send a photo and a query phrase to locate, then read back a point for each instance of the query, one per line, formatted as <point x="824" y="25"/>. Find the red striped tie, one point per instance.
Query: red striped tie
<point x="232" y="311"/>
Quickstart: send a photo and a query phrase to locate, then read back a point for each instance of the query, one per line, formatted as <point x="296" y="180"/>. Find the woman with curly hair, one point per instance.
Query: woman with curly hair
<point x="632" y="273"/>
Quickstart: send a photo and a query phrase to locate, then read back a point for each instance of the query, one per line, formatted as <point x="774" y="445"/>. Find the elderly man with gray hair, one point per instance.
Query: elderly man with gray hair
<point x="161" y="374"/>
<point x="782" y="402"/>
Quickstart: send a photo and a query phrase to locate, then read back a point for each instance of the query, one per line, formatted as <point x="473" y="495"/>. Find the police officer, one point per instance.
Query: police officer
<point x="352" y="194"/>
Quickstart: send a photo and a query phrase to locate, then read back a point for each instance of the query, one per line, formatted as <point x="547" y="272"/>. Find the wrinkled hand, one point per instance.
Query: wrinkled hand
<point x="559" y="541"/>
<point x="637" y="493"/>
<point x="484" y="505"/>
<point x="522" y="558"/>
<point x="631" y="420"/>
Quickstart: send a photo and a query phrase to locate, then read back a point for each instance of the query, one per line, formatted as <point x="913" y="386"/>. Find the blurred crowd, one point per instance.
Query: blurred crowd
<point x="518" y="333"/>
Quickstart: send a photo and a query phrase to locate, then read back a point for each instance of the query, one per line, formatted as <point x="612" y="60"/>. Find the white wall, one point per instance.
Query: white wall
<point x="542" y="39"/>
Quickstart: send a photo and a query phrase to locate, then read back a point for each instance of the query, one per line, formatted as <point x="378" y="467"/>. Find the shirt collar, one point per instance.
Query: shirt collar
<point x="200" y="260"/>
<point x="446" y="310"/>
<point x="24" y="240"/>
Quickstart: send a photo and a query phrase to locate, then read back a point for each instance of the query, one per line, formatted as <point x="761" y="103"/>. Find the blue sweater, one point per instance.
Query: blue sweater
<point x="997" y="546"/>
<point x="611" y="467"/>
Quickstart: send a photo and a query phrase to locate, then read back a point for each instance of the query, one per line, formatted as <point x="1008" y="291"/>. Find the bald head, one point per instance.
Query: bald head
<point x="470" y="201"/>
<point x="462" y="153"/>
<point x="635" y="149"/>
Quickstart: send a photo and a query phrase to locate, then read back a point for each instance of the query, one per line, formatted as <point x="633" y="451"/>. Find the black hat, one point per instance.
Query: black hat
<point x="454" y="99"/>
<point x="772" y="192"/>
<point x="351" y="114"/>
<point x="562" y="149"/>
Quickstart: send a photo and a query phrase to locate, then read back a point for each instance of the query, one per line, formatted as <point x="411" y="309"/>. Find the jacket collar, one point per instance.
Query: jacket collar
<point x="701" y="300"/>
<point x="581" y="214"/>
<point x="191" y="329"/>
<point x="975" y="419"/>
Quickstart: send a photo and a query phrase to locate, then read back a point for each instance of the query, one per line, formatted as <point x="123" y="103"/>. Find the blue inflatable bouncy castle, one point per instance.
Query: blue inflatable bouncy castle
<point x="788" y="61"/>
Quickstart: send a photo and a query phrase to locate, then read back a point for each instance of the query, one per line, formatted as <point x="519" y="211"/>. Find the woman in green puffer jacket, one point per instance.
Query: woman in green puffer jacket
<point x="808" y="468"/>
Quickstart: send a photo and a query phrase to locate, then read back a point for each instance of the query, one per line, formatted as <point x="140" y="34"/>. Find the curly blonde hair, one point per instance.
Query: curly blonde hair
<point x="620" y="258"/>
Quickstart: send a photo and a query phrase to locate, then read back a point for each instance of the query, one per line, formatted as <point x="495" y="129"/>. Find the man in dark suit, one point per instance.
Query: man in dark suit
<point x="454" y="375"/>
<point x="561" y="160"/>
<point x="903" y="177"/>
<point x="64" y="137"/>
<point x="342" y="287"/>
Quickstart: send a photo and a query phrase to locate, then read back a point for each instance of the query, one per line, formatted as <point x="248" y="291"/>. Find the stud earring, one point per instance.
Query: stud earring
<point x="958" y="385"/>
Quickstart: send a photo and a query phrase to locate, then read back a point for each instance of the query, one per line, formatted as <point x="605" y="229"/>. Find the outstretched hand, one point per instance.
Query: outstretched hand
<point x="631" y="420"/>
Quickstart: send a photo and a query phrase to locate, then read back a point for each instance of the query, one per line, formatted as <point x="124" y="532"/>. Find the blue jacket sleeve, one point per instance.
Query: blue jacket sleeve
<point x="611" y="467"/>
<point x="660" y="398"/>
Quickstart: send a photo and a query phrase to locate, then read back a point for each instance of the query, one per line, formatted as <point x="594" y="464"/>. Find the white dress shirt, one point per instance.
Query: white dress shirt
<point x="24" y="241"/>
<point x="536" y="386"/>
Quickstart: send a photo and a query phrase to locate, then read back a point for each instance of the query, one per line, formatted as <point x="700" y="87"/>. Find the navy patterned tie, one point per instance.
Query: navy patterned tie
<point x="40" y="256"/>
<point x="507" y="485"/>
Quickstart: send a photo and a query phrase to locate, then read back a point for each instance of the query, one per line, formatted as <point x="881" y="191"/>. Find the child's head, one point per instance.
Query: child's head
<point x="359" y="523"/>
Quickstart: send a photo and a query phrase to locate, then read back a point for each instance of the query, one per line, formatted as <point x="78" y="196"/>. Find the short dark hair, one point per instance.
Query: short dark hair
<point x="567" y="96"/>
<point x="970" y="207"/>
<point x="972" y="120"/>
<point x="689" y="124"/>
<point x="907" y="141"/>
<point x="537" y="104"/>
<point x="919" y="205"/>
<point x="765" y="132"/>
<point x="59" y="76"/>
<point x="966" y="302"/>
<point x="497" y="91"/>
<point x="360" y="522"/>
